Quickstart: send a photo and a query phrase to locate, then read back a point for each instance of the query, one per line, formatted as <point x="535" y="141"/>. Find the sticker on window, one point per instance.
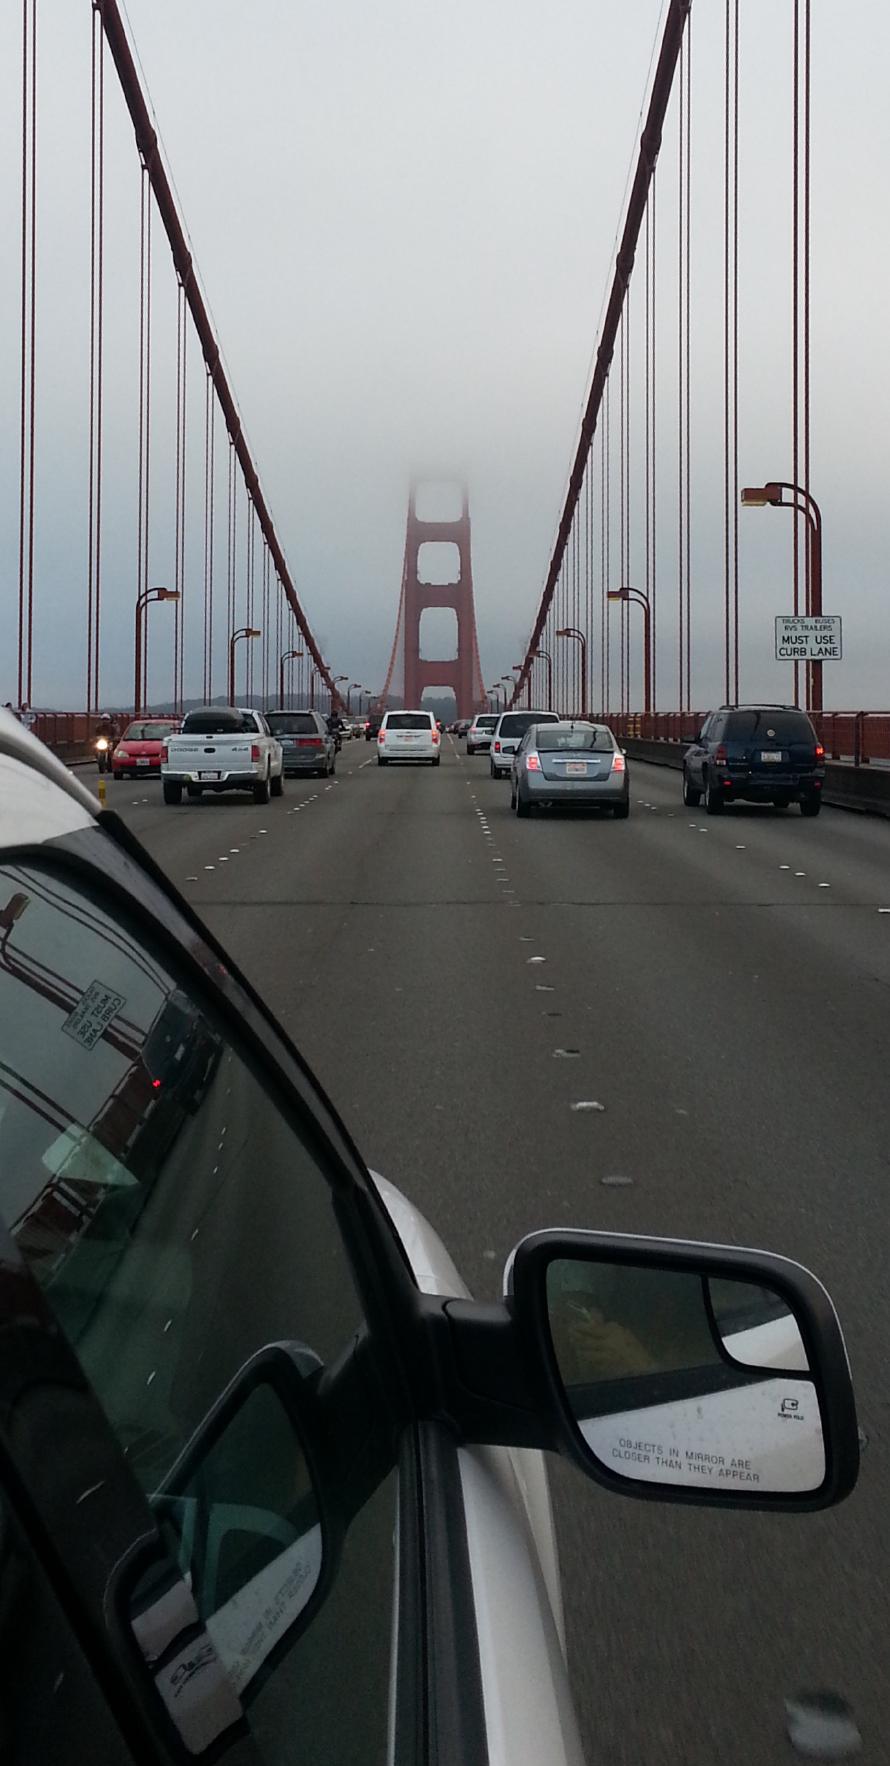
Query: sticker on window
<point x="95" y="1010"/>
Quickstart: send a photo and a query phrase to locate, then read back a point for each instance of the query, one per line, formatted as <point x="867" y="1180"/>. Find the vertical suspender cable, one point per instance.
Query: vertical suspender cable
<point x="97" y="205"/>
<point x="806" y="295"/>
<point x="588" y="581"/>
<point x="625" y="610"/>
<point x="144" y="492"/>
<point x="622" y="542"/>
<point x="681" y="501"/>
<point x="654" y="524"/>
<point x="179" y="536"/>
<point x="687" y="360"/>
<point x="795" y="314"/>
<point x="607" y="449"/>
<point x="209" y="405"/>
<point x="735" y="357"/>
<point x="727" y="128"/>
<point x="604" y="641"/>
<point x="230" y="552"/>
<point x="250" y="563"/>
<point x="28" y="350"/>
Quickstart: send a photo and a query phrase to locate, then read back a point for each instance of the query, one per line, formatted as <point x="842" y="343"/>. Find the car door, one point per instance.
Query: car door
<point x="185" y="1214"/>
<point x="696" y="754"/>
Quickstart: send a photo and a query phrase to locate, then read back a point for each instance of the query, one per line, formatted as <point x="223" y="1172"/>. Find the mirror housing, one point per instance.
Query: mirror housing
<point x="761" y="1415"/>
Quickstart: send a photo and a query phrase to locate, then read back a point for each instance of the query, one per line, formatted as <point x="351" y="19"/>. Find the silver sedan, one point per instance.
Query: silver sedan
<point x="569" y="762"/>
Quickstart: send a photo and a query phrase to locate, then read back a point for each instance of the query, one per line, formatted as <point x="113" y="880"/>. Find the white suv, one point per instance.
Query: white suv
<point x="480" y="732"/>
<point x="507" y="735"/>
<point x="408" y="735"/>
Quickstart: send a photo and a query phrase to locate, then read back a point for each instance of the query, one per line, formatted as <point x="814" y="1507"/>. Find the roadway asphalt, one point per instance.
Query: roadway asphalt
<point x="725" y="985"/>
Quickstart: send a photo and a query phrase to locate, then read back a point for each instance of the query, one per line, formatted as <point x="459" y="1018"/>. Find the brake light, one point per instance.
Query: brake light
<point x="155" y="1085"/>
<point x="820" y="751"/>
<point x="164" y="754"/>
<point x="532" y="762"/>
<point x="254" y="751"/>
<point x="381" y="735"/>
<point x="720" y="755"/>
<point x="435" y="736"/>
<point x="618" y="763"/>
<point x="497" y="748"/>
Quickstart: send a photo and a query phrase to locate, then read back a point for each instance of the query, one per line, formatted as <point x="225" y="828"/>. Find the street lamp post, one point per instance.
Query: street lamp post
<point x="545" y="656"/>
<point x="286" y="656"/>
<point x="334" y="694"/>
<point x="517" y="670"/>
<point x="244" y="631"/>
<point x="770" y="496"/>
<point x="494" y="692"/>
<point x="142" y="601"/>
<point x="571" y="631"/>
<point x="642" y="600"/>
<point x="355" y="685"/>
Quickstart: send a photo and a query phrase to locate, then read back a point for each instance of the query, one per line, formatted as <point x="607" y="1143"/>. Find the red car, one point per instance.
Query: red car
<point x="139" y="749"/>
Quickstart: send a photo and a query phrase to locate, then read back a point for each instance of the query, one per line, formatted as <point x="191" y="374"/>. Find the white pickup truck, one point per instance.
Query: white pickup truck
<point x="222" y="748"/>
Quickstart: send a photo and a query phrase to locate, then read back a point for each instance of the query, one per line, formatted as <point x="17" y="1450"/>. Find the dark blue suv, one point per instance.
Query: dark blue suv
<point x="764" y="753"/>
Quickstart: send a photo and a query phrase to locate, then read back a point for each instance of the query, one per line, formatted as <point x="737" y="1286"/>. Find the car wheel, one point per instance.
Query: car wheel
<point x="261" y="791"/>
<point x="193" y="790"/>
<point x="713" y="799"/>
<point x="277" y="785"/>
<point x="621" y="811"/>
<point x="172" y="793"/>
<point x="523" y="807"/>
<point x="382" y="762"/>
<point x="691" y="795"/>
<point x="810" y="806"/>
<point x="438" y="760"/>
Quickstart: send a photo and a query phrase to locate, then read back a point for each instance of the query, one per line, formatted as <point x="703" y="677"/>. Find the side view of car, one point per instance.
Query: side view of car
<point x="571" y="763"/>
<point x="310" y="1403"/>
<point x="760" y="753"/>
<point x="139" y="750"/>
<point x="306" y="742"/>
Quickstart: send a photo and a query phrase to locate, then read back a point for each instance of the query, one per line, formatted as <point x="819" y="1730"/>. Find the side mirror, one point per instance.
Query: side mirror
<point x="242" y="1515"/>
<point x="690" y="1372"/>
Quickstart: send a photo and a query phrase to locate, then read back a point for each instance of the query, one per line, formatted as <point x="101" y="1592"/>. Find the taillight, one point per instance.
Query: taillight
<point x="720" y="755"/>
<point x="820" y="751"/>
<point x="497" y="748"/>
<point x="381" y="735"/>
<point x="532" y="762"/>
<point x="164" y="755"/>
<point x="619" y="764"/>
<point x="435" y="736"/>
<point x="254" y="751"/>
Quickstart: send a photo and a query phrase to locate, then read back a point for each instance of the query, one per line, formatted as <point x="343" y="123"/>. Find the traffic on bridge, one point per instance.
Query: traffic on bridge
<point x="443" y="1117"/>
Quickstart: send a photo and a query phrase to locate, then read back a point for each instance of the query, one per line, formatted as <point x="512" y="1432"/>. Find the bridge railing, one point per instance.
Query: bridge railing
<point x="857" y="737"/>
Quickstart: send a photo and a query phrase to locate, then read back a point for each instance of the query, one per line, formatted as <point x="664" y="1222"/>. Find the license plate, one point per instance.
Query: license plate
<point x="210" y="775"/>
<point x="771" y="757"/>
<point x="578" y="768"/>
<point x="142" y="760"/>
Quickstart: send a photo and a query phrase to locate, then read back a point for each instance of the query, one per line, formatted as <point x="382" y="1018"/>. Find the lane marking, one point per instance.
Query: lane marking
<point x="588" y="1106"/>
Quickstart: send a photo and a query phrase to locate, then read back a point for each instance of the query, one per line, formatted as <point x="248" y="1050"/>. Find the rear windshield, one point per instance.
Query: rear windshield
<point x="766" y="726"/>
<point x="224" y="722"/>
<point x="292" y="723"/>
<point x="148" y="732"/>
<point x="589" y="740"/>
<point x="515" y="723"/>
<point x="408" y="720"/>
<point x="486" y="723"/>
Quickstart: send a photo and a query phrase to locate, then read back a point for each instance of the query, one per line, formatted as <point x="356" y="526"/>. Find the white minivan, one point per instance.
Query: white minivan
<point x="507" y="735"/>
<point x="408" y="735"/>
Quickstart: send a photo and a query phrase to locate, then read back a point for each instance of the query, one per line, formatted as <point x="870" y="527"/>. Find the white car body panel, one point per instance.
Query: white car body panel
<point x="413" y="744"/>
<point x="31" y="798"/>
<point x="514" y="1566"/>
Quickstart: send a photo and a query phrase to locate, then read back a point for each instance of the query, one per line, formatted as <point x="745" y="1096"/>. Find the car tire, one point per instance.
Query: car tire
<point x="492" y="770"/>
<point x="523" y="807"/>
<point x="172" y="793"/>
<point x="438" y="760"/>
<point x="194" y="790"/>
<point x="691" y="795"/>
<point x="621" y="811"/>
<point x="261" y="792"/>
<point x="713" y="799"/>
<point x="810" y="806"/>
<point x="382" y="762"/>
<point x="277" y="785"/>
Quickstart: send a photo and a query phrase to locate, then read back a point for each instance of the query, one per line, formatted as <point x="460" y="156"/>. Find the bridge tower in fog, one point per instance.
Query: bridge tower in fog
<point x="409" y="673"/>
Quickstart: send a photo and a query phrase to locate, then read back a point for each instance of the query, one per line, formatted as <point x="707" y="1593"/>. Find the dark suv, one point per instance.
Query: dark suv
<point x="765" y="753"/>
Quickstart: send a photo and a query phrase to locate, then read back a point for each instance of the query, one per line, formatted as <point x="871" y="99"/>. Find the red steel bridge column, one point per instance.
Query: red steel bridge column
<point x="462" y="674"/>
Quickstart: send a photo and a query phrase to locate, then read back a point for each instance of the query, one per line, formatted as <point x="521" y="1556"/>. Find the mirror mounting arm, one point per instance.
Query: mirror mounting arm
<point x="483" y="1386"/>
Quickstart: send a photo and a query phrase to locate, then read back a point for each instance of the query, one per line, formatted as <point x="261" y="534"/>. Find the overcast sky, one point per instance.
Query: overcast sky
<point x="404" y="219"/>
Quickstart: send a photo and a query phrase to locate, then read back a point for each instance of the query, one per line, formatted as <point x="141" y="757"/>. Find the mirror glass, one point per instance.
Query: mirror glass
<point x="244" y="1525"/>
<point x="680" y="1378"/>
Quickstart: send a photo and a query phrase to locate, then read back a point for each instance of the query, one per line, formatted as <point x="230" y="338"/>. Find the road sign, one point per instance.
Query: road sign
<point x="803" y="638"/>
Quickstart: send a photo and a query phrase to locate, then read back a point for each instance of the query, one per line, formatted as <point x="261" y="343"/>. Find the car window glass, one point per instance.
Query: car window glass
<point x="408" y="720"/>
<point x="293" y="723"/>
<point x="590" y="740"/>
<point x="148" y="732"/>
<point x="768" y="725"/>
<point x="486" y="723"/>
<point x="177" y="1223"/>
<point x="217" y="723"/>
<point x="515" y="723"/>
